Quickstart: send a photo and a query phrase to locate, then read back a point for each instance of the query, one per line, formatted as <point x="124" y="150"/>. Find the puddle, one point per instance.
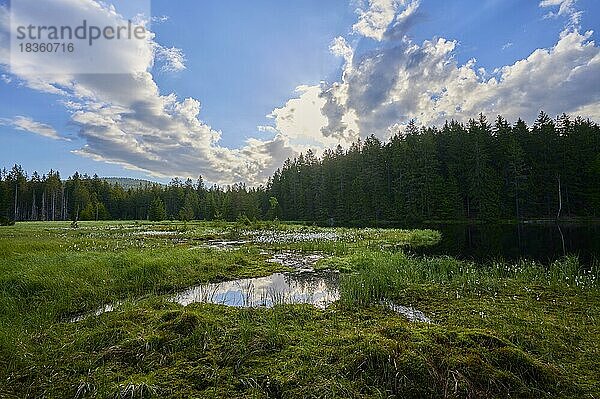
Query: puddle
<point x="104" y="309"/>
<point x="412" y="314"/>
<point x="299" y="261"/>
<point x="317" y="289"/>
<point x="302" y="286"/>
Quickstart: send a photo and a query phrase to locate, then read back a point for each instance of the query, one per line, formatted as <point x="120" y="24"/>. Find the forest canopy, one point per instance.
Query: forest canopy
<point x="480" y="170"/>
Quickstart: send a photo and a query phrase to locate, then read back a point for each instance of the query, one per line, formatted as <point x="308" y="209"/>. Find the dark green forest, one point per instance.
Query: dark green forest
<point x="476" y="171"/>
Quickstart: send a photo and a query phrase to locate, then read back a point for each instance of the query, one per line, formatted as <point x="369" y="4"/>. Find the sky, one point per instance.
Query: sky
<point x="229" y="89"/>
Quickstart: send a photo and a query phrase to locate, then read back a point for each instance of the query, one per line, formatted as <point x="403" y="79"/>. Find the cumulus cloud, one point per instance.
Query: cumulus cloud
<point x="119" y="55"/>
<point x="300" y="119"/>
<point x="566" y="8"/>
<point x="340" y="48"/>
<point x="401" y="80"/>
<point x="388" y="19"/>
<point x="173" y="58"/>
<point x="404" y="20"/>
<point x="124" y="119"/>
<point x="374" y="20"/>
<point x="27" y="124"/>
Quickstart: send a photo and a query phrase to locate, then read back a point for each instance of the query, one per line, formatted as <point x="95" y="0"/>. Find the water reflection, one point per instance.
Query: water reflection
<point x="540" y="242"/>
<point x="303" y="285"/>
<point x="319" y="289"/>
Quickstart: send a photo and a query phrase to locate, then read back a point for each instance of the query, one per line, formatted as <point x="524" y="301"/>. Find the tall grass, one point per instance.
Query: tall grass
<point x="383" y="275"/>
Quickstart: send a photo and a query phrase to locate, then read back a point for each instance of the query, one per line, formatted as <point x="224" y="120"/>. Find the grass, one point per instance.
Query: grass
<point x="295" y="351"/>
<point x="550" y="311"/>
<point x="500" y="330"/>
<point x="379" y="275"/>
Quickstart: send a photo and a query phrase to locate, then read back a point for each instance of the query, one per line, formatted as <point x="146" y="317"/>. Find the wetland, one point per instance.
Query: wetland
<point x="215" y="309"/>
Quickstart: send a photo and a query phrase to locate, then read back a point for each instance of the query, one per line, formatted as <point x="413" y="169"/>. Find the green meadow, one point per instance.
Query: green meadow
<point x="497" y="330"/>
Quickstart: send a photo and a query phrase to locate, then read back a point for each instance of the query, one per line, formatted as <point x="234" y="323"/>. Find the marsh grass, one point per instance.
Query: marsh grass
<point x="157" y="349"/>
<point x="500" y="330"/>
<point x="50" y="273"/>
<point x="338" y="241"/>
<point x="375" y="276"/>
<point x="548" y="310"/>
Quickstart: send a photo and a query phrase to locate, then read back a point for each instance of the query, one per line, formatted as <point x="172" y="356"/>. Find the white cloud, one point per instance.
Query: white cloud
<point x="424" y="82"/>
<point x="566" y="8"/>
<point x="104" y="56"/>
<point x="267" y="129"/>
<point x="173" y="58"/>
<point x="125" y="120"/>
<point x="386" y="18"/>
<point x="27" y="124"/>
<point x="404" y="20"/>
<point x="300" y="119"/>
<point x="374" y="21"/>
<point x="340" y="48"/>
<point x="507" y="46"/>
<point x="402" y="80"/>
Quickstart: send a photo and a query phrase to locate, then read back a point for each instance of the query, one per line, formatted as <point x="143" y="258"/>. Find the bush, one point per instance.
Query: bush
<point x="4" y="221"/>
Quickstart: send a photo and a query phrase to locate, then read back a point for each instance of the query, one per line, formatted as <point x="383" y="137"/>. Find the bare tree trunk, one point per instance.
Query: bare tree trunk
<point x="33" y="208"/>
<point x="468" y="208"/>
<point x="517" y="199"/>
<point x="66" y="205"/>
<point x="63" y="208"/>
<point x="44" y="206"/>
<point x="53" y="204"/>
<point x="16" y="198"/>
<point x="559" y="199"/>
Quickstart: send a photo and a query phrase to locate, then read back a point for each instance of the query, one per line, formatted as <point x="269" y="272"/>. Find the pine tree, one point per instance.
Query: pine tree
<point x="157" y="211"/>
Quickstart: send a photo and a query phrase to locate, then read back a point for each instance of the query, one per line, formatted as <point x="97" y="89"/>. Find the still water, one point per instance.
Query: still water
<point x="316" y="288"/>
<point x="540" y="242"/>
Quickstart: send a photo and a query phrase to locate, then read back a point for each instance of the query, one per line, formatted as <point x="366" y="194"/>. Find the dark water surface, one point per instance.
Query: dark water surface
<point x="540" y="242"/>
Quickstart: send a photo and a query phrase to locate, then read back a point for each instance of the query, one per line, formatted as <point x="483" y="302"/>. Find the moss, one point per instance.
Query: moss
<point x="289" y="351"/>
<point x="183" y="324"/>
<point x="341" y="264"/>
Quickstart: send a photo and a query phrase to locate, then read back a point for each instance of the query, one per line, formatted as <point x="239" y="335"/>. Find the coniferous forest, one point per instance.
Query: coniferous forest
<point x="480" y="170"/>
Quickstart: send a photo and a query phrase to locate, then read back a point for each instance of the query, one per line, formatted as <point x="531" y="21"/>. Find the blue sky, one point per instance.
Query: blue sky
<point x="230" y="64"/>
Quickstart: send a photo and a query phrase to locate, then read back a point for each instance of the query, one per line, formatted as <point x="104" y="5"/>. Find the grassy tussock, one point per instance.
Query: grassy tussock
<point x="499" y="330"/>
<point x="160" y="350"/>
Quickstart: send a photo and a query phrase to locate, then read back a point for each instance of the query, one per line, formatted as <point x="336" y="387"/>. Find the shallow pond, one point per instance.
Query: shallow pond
<point x="302" y="285"/>
<point x="316" y="288"/>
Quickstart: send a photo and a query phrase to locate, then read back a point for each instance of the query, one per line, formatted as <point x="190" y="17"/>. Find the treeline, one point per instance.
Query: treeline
<point x="478" y="170"/>
<point x="81" y="197"/>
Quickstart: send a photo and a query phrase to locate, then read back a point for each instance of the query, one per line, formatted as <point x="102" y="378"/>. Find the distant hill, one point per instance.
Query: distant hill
<point x="128" y="183"/>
